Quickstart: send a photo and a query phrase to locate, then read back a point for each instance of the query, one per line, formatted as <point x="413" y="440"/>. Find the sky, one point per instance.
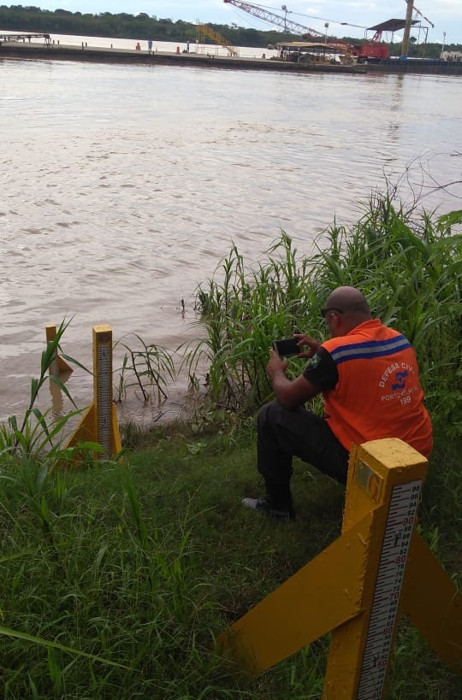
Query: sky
<point x="446" y="15"/>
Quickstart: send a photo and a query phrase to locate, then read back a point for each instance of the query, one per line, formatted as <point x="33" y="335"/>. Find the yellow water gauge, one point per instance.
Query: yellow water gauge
<point x="379" y="568"/>
<point x="99" y="422"/>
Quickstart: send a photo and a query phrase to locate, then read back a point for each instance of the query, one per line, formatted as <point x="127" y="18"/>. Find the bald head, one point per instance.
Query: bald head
<point x="352" y="307"/>
<point x="349" y="299"/>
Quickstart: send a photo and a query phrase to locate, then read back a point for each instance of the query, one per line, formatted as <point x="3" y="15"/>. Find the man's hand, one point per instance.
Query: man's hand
<point x="275" y="365"/>
<point x="306" y="340"/>
<point x="290" y="393"/>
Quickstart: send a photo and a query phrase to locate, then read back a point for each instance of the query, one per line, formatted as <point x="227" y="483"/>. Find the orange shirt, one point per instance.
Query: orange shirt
<point x="378" y="394"/>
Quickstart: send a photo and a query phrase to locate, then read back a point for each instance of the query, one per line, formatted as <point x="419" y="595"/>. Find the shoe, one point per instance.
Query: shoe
<point x="263" y="506"/>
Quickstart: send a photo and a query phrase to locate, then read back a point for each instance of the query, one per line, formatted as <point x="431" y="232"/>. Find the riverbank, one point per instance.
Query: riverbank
<point x="119" y="576"/>
<point x="105" y="55"/>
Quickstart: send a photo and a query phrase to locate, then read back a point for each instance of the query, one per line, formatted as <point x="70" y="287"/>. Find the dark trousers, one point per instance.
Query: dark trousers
<point x="283" y="434"/>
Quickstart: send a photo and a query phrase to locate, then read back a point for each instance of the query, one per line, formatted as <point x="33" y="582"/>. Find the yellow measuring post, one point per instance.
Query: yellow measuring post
<point x="58" y="364"/>
<point x="356" y="588"/>
<point x="99" y="422"/>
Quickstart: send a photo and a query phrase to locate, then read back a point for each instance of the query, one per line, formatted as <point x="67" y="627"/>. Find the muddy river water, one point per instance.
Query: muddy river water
<point x="122" y="188"/>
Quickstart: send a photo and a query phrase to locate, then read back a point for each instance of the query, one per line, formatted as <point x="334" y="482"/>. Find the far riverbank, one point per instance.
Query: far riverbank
<point x="141" y="57"/>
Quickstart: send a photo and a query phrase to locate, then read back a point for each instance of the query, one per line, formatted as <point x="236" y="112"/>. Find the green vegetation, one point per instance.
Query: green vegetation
<point x="115" y="578"/>
<point x="141" y="26"/>
<point x="147" y="370"/>
<point x="407" y="264"/>
<point x="126" y="26"/>
<point x="121" y="589"/>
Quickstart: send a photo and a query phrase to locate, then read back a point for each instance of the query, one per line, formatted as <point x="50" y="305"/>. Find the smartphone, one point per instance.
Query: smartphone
<point x="286" y="347"/>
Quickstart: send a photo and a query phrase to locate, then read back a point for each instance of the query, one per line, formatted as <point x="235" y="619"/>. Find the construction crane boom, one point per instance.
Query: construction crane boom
<point x="368" y="51"/>
<point x="272" y="18"/>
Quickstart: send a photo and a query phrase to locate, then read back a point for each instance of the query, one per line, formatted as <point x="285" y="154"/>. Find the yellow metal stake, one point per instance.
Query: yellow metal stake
<point x="58" y="364"/>
<point x="387" y="477"/>
<point x="99" y="422"/>
<point x="353" y="588"/>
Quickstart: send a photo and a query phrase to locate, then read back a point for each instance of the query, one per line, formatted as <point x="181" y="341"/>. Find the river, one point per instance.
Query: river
<point x="122" y="188"/>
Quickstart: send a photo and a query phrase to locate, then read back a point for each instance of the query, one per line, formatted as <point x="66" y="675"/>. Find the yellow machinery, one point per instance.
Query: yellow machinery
<point x="203" y="30"/>
<point x="380" y="567"/>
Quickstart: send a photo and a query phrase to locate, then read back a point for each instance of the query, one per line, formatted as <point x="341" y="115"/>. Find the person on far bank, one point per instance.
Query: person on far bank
<point x="369" y="379"/>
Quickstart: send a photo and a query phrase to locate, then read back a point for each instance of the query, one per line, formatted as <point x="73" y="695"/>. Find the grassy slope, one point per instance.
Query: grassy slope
<point x="144" y="570"/>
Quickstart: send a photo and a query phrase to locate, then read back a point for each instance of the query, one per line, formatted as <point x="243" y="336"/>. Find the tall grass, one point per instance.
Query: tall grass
<point x="102" y="607"/>
<point x="146" y="370"/>
<point x="36" y="440"/>
<point x="409" y="266"/>
<point x="242" y="315"/>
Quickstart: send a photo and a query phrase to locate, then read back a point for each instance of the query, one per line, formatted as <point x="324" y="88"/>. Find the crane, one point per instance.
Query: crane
<point x="288" y="24"/>
<point x="370" y="50"/>
<point x="272" y="18"/>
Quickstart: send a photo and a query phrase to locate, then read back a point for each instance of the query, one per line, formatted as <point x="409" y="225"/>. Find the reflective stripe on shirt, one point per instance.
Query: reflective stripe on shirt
<point x="369" y="349"/>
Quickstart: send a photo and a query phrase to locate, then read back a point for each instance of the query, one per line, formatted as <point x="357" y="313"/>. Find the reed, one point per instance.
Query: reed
<point x="242" y="314"/>
<point x="36" y="440"/>
<point x="407" y="263"/>
<point x="146" y="369"/>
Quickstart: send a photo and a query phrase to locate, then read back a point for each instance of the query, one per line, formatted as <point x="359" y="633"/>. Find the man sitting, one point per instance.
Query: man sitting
<point x="369" y="379"/>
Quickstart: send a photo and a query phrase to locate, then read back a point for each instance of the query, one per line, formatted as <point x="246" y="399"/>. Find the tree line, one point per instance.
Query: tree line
<point x="142" y="26"/>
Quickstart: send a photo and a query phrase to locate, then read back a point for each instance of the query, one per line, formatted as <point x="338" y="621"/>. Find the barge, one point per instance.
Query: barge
<point x="53" y="52"/>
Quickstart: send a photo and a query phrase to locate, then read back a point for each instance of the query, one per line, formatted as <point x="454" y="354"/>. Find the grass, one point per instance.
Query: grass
<point x="121" y="589"/>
